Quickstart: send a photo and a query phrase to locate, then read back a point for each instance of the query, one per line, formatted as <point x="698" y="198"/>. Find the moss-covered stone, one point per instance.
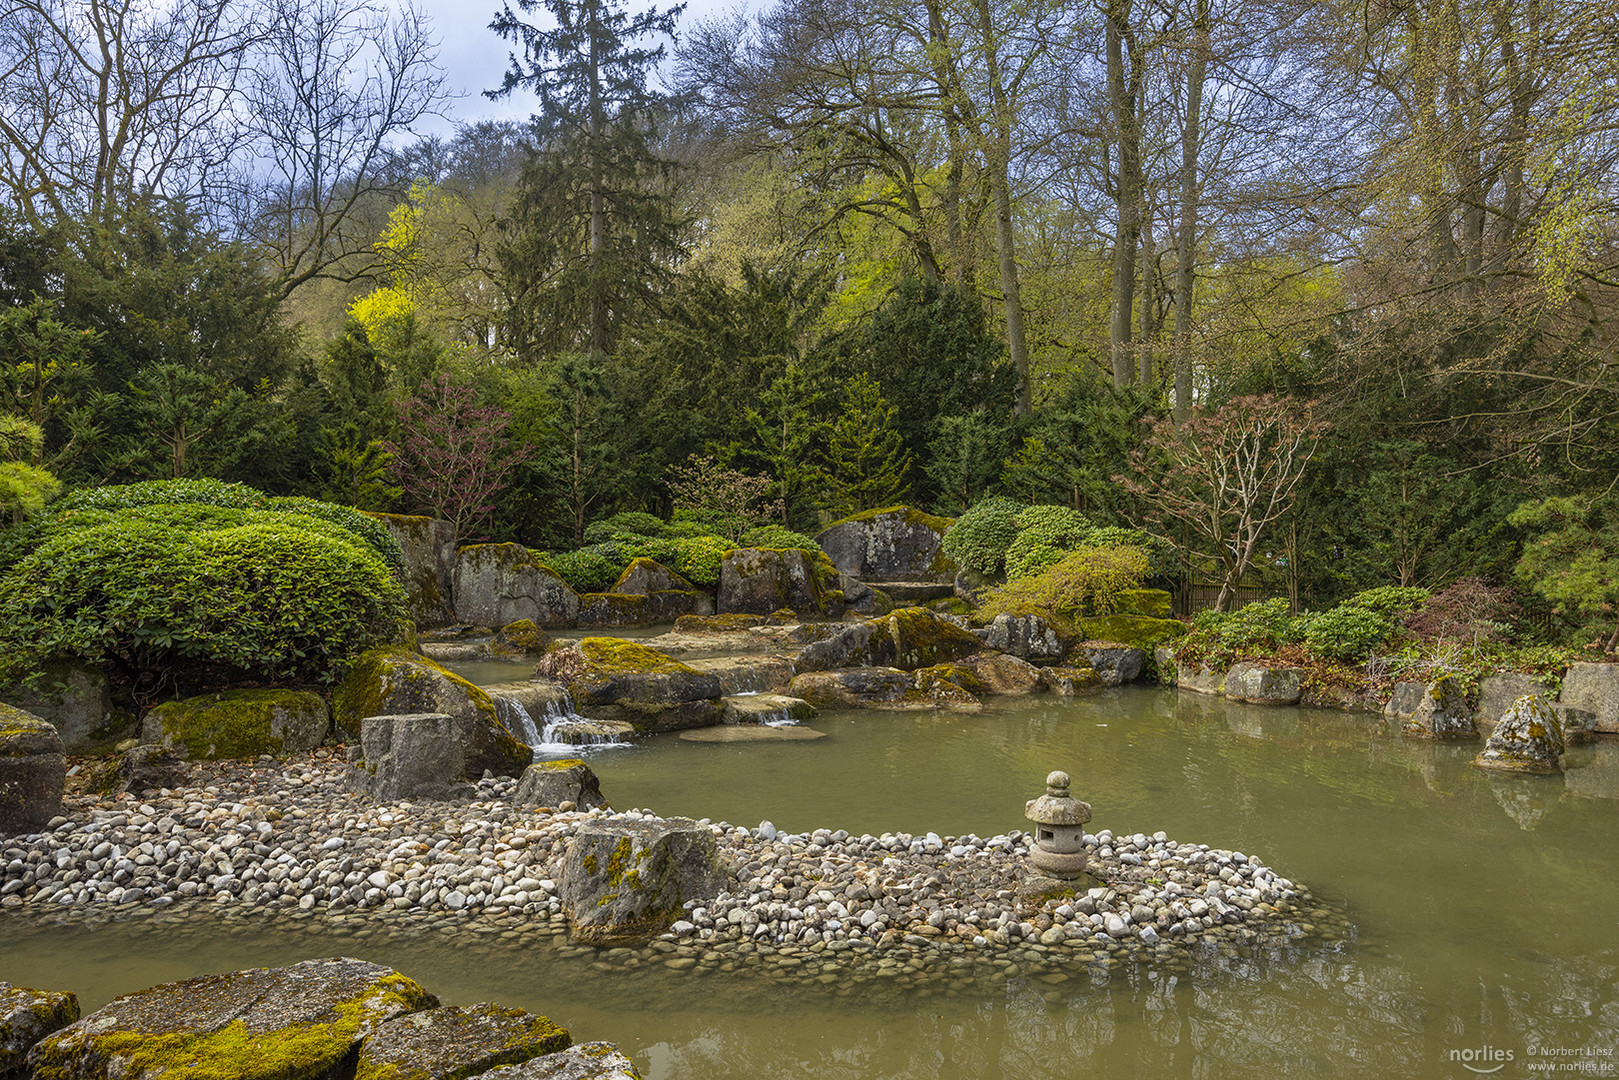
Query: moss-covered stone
<point x="297" y="1023"/>
<point x="895" y="543"/>
<point x="26" y="1017"/>
<point x="496" y="584"/>
<point x="1140" y="631"/>
<point x="521" y="638"/>
<point x="239" y="724"/>
<point x="882" y="689"/>
<point x="1071" y="681"/>
<point x="611" y="671"/>
<point x="624" y="880"/>
<point x="760" y="581"/>
<point x="717" y="624"/>
<point x="1527" y="739"/>
<point x="392" y="681"/>
<point x="452" y="1043"/>
<point x="908" y="639"/>
<point x="33" y="771"/>
<point x="428" y="547"/>
<point x="1444" y="713"/>
<point x="964" y="678"/>
<point x="646" y="576"/>
<point x="613" y="610"/>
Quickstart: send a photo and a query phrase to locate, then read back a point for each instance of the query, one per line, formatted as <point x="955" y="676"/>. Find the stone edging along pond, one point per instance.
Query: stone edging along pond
<point x="287" y="837"/>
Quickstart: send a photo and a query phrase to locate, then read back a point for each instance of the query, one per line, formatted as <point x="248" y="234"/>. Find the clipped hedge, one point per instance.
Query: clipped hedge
<point x="980" y="537"/>
<point x="1083" y="583"/>
<point x="778" y="536"/>
<point x="149" y="587"/>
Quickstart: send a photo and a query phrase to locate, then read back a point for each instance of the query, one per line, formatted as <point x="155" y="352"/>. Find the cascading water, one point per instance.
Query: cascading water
<point x="559" y="730"/>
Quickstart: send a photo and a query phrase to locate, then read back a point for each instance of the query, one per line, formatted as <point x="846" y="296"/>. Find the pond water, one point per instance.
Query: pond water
<point x="1485" y="909"/>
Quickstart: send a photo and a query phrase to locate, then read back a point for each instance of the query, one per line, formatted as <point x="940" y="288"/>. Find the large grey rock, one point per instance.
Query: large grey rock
<point x="1528" y="739"/>
<point x="861" y="599"/>
<point x="428" y="547"/>
<point x="1496" y="694"/>
<point x="896" y="543"/>
<point x="752" y="709"/>
<point x="33" y="772"/>
<point x="586" y="1061"/>
<point x="761" y="581"/>
<point x="909" y="638"/>
<point x="142" y="769"/>
<point x="496" y="584"/>
<point x="303" y="1022"/>
<point x="1443" y="713"/>
<point x="75" y="699"/>
<point x="1116" y="662"/>
<point x="239" y="724"/>
<point x="552" y="783"/>
<point x="645" y="576"/>
<point x="1593" y="688"/>
<point x="1027" y="636"/>
<point x="1260" y="684"/>
<point x="1002" y="674"/>
<point x="613" y="611"/>
<point x="430" y="756"/>
<point x="883" y="689"/>
<point x="613" y="679"/>
<point x="624" y="879"/>
<point x="27" y="1016"/>
<point x="451" y="1042"/>
<point x="746" y="674"/>
<point x="1198" y="678"/>
<point x="393" y="681"/>
<point x="1403" y="702"/>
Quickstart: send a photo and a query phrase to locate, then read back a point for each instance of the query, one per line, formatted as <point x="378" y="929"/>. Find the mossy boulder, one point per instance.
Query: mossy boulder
<point x="1527" y="739"/>
<point x="761" y="581"/>
<point x="33" y="772"/>
<point x="1140" y="631"/>
<point x="1153" y="603"/>
<point x="1443" y="713"/>
<point x="624" y="880"/>
<point x="521" y="638"/>
<point x="882" y="689"/>
<point x="957" y="675"/>
<point x="908" y="639"/>
<point x="747" y="674"/>
<point x="1029" y="636"/>
<point x="239" y="724"/>
<point x="496" y="584"/>
<point x="621" y="680"/>
<point x="451" y="1042"/>
<point x="612" y="610"/>
<point x="302" y="1022"/>
<point x="729" y="623"/>
<point x="1116" y="662"/>
<point x="27" y="1016"/>
<point x="766" y="709"/>
<point x="1001" y="674"/>
<point x="1264" y="684"/>
<point x="895" y="543"/>
<point x="430" y="756"/>
<point x="552" y="783"/>
<point x="645" y="576"/>
<point x="74" y="698"/>
<point x="428" y="547"/>
<point x="393" y="681"/>
<point x="1066" y="681"/>
<point x="1594" y="689"/>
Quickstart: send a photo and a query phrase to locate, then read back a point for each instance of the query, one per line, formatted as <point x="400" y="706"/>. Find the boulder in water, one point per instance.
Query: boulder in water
<point x="763" y="581"/>
<point x="1259" y="684"/>
<point x="765" y="709"/>
<point x="585" y="1061"/>
<point x="27" y="1016"/>
<point x="1443" y="713"/>
<point x="1116" y="662"/>
<point x="907" y="639"/>
<point x="552" y="783"/>
<point x="1069" y="681"/>
<point x="1593" y="689"/>
<point x="1029" y="637"/>
<point x="749" y="733"/>
<point x="614" y="679"/>
<point x="1528" y="739"/>
<point x="302" y="1022"/>
<point x="451" y="1042"/>
<point x="883" y="689"/>
<point x="624" y="880"/>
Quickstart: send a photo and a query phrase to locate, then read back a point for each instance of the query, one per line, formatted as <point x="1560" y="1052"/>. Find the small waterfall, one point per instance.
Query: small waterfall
<point x="559" y="728"/>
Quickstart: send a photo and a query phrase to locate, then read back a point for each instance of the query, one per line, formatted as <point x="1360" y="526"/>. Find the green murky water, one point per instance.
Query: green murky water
<point x="1486" y="909"/>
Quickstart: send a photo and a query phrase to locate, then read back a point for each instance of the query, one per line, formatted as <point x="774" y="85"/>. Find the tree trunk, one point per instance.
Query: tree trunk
<point x="1122" y="86"/>
<point x="998" y="158"/>
<point x="598" y="200"/>
<point x="1186" y="240"/>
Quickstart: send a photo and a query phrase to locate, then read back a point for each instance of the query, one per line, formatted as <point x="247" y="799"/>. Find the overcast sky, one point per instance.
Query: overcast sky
<point x="475" y="59"/>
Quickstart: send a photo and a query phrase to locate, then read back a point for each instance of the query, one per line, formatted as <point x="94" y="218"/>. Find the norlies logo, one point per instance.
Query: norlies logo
<point x="1482" y="1059"/>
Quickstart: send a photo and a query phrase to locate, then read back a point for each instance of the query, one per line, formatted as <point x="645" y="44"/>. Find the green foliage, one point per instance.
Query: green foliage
<point x="961" y="459"/>
<point x="154" y="589"/>
<point x="25" y="488"/>
<point x="980" y="537"/>
<point x="1346" y="632"/>
<point x="594" y="568"/>
<point x="778" y="536"/>
<point x="866" y="457"/>
<point x="625" y="523"/>
<point x="1084" y="582"/>
<point x="1259" y="628"/>
<point x="1572" y="560"/>
<point x="1391" y="602"/>
<point x="1045" y="533"/>
<point x="695" y="558"/>
<point x="1163" y="559"/>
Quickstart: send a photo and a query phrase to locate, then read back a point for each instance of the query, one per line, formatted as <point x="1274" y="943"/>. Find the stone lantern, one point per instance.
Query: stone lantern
<point x="1059" y="829"/>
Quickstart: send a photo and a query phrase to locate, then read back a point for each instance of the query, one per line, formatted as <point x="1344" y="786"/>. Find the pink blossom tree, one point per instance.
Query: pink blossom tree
<point x="453" y="456"/>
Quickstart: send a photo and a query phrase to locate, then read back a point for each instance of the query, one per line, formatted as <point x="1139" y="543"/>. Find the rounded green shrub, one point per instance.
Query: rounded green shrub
<point x="1346" y="632"/>
<point x="1262" y="626"/>
<point x="624" y="523"/>
<point x="593" y="568"/>
<point x="778" y="536"/>
<point x="1392" y="602"/>
<point x="1045" y="533"/>
<point x="979" y="538"/>
<point x="153" y="589"/>
<point x="1082" y="583"/>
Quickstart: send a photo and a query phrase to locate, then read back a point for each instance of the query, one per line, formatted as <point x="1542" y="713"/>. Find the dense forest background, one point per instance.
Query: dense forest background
<point x="871" y="250"/>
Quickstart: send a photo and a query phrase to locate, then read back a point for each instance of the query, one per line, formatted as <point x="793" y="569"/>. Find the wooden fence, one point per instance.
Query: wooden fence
<point x="1195" y="596"/>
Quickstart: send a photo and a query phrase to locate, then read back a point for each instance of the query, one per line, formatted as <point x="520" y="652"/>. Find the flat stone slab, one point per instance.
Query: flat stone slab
<point x="904" y="593"/>
<point x="738" y="733"/>
<point x="765" y="709"/>
<point x="587" y="1061"/>
<point x="451" y="1042"/>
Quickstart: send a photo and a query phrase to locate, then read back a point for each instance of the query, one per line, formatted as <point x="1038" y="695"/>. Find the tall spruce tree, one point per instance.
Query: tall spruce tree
<point x="592" y="227"/>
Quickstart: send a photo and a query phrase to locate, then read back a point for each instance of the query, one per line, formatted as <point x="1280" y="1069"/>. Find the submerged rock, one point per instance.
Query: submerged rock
<point x="552" y="783"/>
<point x="292" y="1023"/>
<point x="239" y="724"/>
<point x="26" y="1017"/>
<point x="884" y="689"/>
<point x="907" y="639"/>
<point x="624" y="879"/>
<point x="895" y="543"/>
<point x="746" y="733"/>
<point x="33" y="772"/>
<point x="450" y="1042"/>
<point x="1528" y="739"/>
